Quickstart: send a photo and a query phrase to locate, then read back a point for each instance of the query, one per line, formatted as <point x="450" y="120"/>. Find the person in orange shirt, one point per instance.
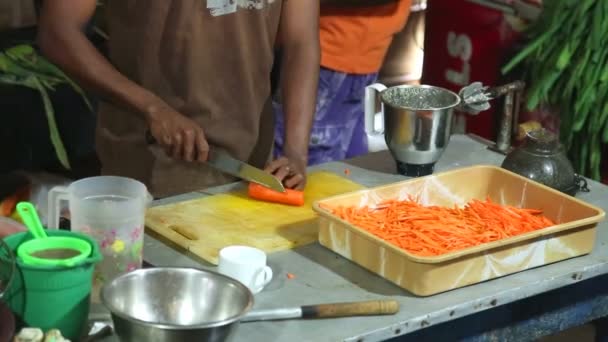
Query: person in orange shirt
<point x="355" y="36"/>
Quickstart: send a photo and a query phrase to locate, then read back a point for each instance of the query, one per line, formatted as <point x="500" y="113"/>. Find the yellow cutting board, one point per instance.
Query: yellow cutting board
<point x="204" y="226"/>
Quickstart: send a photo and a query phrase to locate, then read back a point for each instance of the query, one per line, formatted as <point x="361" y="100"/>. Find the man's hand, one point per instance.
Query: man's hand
<point x="290" y="171"/>
<point x="181" y="137"/>
<point x="62" y="40"/>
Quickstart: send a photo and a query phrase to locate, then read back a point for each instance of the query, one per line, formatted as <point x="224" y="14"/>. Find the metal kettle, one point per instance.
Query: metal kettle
<point x="543" y="159"/>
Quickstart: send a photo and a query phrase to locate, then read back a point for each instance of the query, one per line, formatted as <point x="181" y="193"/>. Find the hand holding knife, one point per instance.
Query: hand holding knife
<point x="223" y="162"/>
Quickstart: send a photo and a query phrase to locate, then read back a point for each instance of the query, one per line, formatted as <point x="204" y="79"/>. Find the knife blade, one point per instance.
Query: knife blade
<point x="223" y="162"/>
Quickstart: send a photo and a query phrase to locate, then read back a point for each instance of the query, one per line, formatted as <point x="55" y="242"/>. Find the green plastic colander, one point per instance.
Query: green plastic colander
<point x="49" y="251"/>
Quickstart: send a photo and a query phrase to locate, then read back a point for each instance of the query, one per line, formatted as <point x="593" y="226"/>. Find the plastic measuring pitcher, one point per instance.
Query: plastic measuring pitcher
<point x="112" y="211"/>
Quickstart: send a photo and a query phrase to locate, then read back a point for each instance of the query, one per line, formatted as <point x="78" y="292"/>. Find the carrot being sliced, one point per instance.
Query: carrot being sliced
<point x="289" y="197"/>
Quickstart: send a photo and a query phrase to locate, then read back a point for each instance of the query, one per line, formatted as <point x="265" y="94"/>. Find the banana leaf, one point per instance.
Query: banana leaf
<point x="22" y="66"/>
<point x="27" y="58"/>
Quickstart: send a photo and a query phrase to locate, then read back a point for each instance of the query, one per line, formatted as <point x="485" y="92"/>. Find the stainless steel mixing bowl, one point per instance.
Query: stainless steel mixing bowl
<point x="175" y="304"/>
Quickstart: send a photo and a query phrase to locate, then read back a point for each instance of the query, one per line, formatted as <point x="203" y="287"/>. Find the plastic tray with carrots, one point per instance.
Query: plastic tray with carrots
<point x="463" y="249"/>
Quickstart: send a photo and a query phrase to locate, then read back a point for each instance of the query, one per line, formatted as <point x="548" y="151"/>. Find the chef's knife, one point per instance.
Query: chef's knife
<point x="225" y="163"/>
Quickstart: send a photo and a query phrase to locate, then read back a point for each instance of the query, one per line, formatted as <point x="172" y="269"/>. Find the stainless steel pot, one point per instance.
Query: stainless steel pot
<point x="175" y="304"/>
<point x="417" y="123"/>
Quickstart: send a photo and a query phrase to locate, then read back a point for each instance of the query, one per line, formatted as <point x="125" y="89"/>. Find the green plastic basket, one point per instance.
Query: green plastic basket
<point x="52" y="297"/>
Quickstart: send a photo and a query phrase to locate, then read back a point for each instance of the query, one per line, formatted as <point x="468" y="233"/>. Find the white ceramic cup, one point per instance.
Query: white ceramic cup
<point x="247" y="265"/>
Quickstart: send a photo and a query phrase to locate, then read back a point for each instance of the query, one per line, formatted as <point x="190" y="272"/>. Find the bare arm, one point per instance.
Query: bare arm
<point x="299" y="37"/>
<point x="354" y="3"/>
<point x="63" y="41"/>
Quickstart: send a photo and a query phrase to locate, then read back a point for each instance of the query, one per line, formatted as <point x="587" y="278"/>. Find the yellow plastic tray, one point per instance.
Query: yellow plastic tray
<point x="574" y="234"/>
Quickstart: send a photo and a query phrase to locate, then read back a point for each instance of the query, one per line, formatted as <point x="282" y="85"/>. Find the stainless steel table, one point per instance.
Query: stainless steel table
<point x="322" y="276"/>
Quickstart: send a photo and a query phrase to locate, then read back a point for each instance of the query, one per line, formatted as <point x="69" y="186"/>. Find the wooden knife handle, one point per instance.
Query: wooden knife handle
<point x="374" y="307"/>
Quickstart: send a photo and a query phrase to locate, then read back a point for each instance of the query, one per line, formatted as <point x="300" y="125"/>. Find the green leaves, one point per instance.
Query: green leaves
<point x="27" y="57"/>
<point x="53" y="130"/>
<point x="22" y="66"/>
<point x="566" y="66"/>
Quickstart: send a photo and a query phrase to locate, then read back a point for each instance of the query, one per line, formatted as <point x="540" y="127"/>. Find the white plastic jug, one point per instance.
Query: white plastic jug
<point x="112" y="211"/>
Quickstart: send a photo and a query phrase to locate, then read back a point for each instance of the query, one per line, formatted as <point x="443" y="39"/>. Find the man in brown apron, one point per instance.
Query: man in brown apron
<point x="195" y="73"/>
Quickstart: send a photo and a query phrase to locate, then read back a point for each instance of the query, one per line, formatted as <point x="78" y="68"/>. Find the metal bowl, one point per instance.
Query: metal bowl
<point x="175" y="304"/>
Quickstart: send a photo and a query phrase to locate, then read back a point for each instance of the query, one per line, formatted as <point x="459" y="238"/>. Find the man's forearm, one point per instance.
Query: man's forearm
<point x="69" y="48"/>
<point x="300" y="74"/>
<point x="353" y="3"/>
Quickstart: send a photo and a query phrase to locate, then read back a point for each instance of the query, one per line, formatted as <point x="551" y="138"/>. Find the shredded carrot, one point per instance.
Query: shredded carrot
<point x="290" y="276"/>
<point x="347" y="172"/>
<point x="435" y="230"/>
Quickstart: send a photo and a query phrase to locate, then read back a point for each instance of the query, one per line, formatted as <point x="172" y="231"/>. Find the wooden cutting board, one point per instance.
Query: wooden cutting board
<point x="206" y="225"/>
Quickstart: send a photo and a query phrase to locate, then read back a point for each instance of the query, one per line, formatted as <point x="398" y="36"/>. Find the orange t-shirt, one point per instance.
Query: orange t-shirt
<point x="354" y="40"/>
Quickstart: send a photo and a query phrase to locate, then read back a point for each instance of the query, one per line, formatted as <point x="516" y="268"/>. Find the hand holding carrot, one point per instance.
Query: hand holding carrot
<point x="290" y="171"/>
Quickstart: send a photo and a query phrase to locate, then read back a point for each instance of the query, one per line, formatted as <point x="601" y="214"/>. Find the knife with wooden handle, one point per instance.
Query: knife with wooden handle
<point x="223" y="162"/>
<point x="333" y="310"/>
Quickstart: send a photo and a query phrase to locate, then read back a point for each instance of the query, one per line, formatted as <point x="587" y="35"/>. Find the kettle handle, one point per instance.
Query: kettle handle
<point x="371" y="92"/>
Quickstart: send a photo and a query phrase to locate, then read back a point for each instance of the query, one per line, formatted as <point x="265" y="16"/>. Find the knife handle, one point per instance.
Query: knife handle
<point x="374" y="307"/>
<point x="151" y="140"/>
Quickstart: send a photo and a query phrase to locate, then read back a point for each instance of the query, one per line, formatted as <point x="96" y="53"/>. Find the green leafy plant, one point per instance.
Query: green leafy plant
<point x="565" y="65"/>
<point x="21" y="65"/>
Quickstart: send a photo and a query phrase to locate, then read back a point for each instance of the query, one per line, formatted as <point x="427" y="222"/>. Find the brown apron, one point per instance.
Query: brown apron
<point x="208" y="59"/>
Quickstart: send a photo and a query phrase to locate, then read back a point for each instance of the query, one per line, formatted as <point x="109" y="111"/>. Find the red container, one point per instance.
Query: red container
<point x="466" y="42"/>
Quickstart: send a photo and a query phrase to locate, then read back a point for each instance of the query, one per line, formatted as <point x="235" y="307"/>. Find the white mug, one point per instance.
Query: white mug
<point x="247" y="265"/>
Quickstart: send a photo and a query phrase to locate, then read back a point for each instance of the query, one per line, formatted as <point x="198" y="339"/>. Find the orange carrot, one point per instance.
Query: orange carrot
<point x="290" y="276"/>
<point x="290" y="197"/>
<point x="434" y="230"/>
